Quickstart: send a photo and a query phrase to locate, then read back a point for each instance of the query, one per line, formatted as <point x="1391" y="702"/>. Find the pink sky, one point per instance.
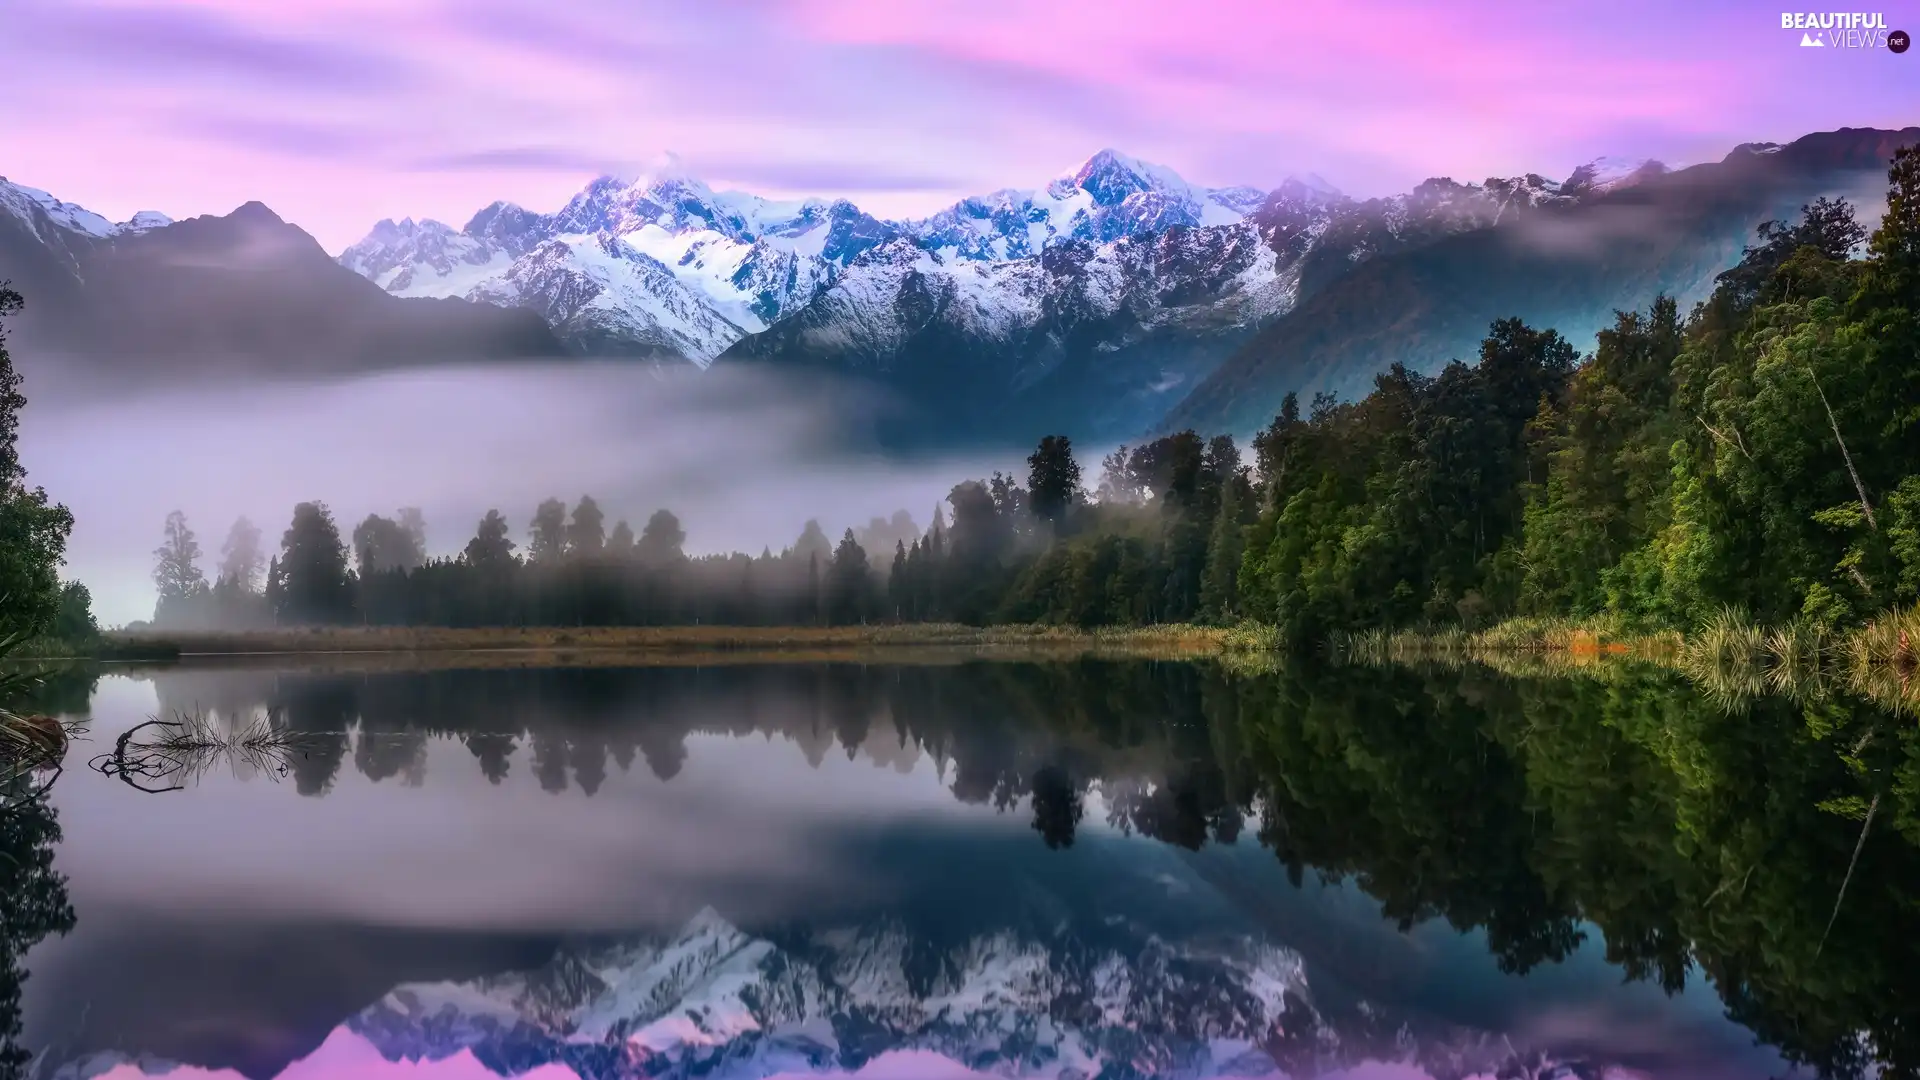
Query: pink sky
<point x="339" y="112"/>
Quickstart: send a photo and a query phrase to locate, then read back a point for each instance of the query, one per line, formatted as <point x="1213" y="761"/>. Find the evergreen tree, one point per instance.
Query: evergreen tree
<point x="1053" y="479"/>
<point x="849" y="583"/>
<point x="381" y="545"/>
<point x="241" y="558"/>
<point x="548" y="538"/>
<point x="491" y="545"/>
<point x="814" y="599"/>
<point x="662" y="541"/>
<point x="813" y="544"/>
<point x="620" y="541"/>
<point x="1219" y="586"/>
<point x="176" y="575"/>
<point x="898" y="585"/>
<point x="586" y="534"/>
<point x="313" y="569"/>
<point x="275" y="591"/>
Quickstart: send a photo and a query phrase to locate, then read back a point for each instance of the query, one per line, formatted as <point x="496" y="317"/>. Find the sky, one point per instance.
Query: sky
<point x="338" y="113"/>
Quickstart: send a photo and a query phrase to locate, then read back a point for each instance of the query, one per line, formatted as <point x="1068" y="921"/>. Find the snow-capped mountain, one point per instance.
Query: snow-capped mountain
<point x="661" y="264"/>
<point x="664" y="264"/>
<point x="1604" y="174"/>
<point x="41" y="211"/>
<point x="62" y="231"/>
<point x="1111" y="290"/>
<point x="1106" y="331"/>
<point x="150" y="297"/>
<point x="713" y="1000"/>
<point x="1611" y="237"/>
<point x="1109" y="197"/>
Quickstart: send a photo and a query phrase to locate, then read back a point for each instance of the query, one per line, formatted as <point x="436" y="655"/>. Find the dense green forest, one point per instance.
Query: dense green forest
<point x="1757" y="453"/>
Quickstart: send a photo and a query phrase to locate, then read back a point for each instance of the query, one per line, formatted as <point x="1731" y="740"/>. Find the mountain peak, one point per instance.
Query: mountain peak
<point x="1110" y="176"/>
<point x="1604" y="174"/>
<point x="254" y="211"/>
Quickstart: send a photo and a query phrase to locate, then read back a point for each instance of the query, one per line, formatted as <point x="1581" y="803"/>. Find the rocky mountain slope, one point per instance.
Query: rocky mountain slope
<point x="1100" y="336"/>
<point x="154" y="297"/>
<point x="1567" y="264"/>
<point x="663" y="265"/>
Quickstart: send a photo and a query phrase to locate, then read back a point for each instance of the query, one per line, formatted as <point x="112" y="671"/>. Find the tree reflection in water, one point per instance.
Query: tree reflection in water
<point x="1534" y="809"/>
<point x="33" y="904"/>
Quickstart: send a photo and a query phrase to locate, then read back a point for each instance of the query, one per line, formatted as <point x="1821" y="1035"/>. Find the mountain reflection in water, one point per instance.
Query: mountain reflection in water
<point x="1095" y="868"/>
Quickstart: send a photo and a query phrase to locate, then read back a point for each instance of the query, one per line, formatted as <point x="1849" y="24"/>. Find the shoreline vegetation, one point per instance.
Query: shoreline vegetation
<point x="1731" y="657"/>
<point x="1172" y="640"/>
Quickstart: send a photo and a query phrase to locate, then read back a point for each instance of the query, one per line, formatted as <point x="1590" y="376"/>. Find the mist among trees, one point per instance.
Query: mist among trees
<point x="1755" y="453"/>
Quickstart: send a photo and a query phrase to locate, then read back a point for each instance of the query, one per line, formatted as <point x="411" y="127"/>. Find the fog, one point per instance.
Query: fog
<point x="743" y="457"/>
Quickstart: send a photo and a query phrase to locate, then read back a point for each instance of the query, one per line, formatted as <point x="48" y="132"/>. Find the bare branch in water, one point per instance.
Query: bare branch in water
<point x="181" y="751"/>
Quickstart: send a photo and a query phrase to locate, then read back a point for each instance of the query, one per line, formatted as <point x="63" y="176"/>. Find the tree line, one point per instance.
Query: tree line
<point x="1757" y="453"/>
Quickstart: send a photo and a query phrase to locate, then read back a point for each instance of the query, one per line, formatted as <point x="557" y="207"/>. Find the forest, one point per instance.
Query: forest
<point x="1755" y="454"/>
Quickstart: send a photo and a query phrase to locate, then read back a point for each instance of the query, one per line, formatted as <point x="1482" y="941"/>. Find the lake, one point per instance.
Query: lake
<point x="901" y="868"/>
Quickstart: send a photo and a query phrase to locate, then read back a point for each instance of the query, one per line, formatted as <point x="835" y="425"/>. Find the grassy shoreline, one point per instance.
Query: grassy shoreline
<point x="1729" y="655"/>
<point x="1170" y="639"/>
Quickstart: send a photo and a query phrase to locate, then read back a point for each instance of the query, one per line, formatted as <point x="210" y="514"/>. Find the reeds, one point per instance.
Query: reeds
<point x="1570" y="641"/>
<point x="1883" y="659"/>
<point x="1729" y="656"/>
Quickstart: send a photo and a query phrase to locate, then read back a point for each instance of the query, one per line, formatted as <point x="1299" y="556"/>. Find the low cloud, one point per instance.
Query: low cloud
<point x="743" y="456"/>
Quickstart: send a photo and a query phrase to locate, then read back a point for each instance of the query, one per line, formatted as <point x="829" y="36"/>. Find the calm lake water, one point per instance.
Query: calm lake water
<point x="1080" y="869"/>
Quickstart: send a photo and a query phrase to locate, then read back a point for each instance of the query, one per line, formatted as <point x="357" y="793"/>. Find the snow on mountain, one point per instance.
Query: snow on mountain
<point x="1108" y="197"/>
<point x="714" y="1000"/>
<point x="62" y="231"/>
<point x="1604" y="174"/>
<point x="751" y="262"/>
<point x="40" y="210"/>
<point x="657" y="264"/>
<point x="1104" y="333"/>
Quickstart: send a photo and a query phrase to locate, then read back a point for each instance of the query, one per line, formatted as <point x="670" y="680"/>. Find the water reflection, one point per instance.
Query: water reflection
<point x="1008" y="868"/>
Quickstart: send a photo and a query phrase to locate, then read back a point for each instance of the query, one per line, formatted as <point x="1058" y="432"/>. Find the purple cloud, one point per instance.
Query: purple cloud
<point x="186" y="43"/>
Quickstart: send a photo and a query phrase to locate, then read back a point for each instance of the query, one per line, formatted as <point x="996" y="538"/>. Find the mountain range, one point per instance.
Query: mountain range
<point x="714" y="1000"/>
<point x="151" y="298"/>
<point x="1111" y="300"/>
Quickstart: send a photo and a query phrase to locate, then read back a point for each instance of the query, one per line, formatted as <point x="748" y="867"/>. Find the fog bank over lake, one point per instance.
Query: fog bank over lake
<point x="743" y="457"/>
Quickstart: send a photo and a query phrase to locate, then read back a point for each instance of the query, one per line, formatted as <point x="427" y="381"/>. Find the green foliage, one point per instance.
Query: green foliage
<point x="73" y="622"/>
<point x="33" y="528"/>
<point x="1757" y="454"/>
<point x="1053" y="479"/>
